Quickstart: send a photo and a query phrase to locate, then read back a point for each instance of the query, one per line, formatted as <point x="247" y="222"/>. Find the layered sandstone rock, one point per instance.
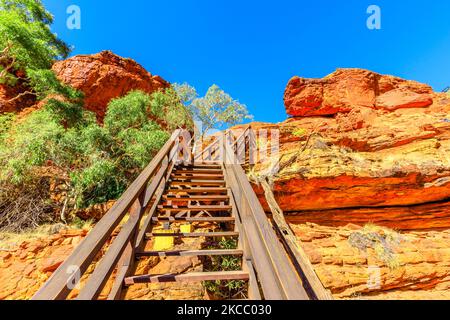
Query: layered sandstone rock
<point x="101" y="77"/>
<point x="105" y="76"/>
<point x="414" y="265"/>
<point x="394" y="153"/>
<point x="25" y="266"/>
<point x="348" y="89"/>
<point x="362" y="149"/>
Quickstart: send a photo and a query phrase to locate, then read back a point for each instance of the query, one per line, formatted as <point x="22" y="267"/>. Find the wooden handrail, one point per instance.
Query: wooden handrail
<point x="57" y="287"/>
<point x="275" y="272"/>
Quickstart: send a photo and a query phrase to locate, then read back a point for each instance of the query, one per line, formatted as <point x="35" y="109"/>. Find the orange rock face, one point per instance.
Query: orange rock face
<point x="384" y="143"/>
<point x="363" y="149"/>
<point x="25" y="267"/>
<point x="105" y="76"/>
<point x="348" y="89"/>
<point x="375" y="263"/>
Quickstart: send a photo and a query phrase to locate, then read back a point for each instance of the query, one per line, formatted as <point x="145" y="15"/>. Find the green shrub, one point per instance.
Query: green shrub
<point x="6" y="120"/>
<point x="140" y="145"/>
<point x="166" y="105"/>
<point x="224" y="289"/>
<point x="101" y="160"/>
<point x="299" y="132"/>
<point x="30" y="143"/>
<point x="127" y="112"/>
<point x="98" y="183"/>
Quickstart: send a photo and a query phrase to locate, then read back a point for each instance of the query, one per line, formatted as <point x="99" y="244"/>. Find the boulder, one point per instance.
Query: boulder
<point x="349" y="89"/>
<point x="105" y="76"/>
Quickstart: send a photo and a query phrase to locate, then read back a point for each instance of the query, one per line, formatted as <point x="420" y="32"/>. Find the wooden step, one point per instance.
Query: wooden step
<point x="192" y="219"/>
<point x="194" y="234"/>
<point x="198" y="190"/>
<point x="188" y="277"/>
<point x="198" y="171"/>
<point x="196" y="208"/>
<point x="196" y="198"/>
<point x="198" y="183"/>
<point x="190" y="253"/>
<point x="202" y="166"/>
<point x="196" y="177"/>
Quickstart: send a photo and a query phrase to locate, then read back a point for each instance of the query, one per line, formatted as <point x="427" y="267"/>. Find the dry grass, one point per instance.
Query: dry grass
<point x="382" y="240"/>
<point x="25" y="207"/>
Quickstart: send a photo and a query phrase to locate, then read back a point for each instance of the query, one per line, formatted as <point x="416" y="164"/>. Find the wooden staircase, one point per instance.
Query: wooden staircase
<point x="178" y="187"/>
<point x="197" y="193"/>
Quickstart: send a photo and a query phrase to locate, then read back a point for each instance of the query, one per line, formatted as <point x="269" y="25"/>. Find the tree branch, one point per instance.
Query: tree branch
<point x="26" y="93"/>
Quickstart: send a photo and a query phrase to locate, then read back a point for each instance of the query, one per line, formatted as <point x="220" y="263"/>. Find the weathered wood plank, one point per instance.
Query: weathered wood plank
<point x="196" y="177"/>
<point x="192" y="219"/>
<point x="195" y="208"/>
<point x="276" y="273"/>
<point x="197" y="190"/>
<point x="189" y="277"/>
<point x="190" y="253"/>
<point x="198" y="183"/>
<point x="195" y="234"/>
<point x="195" y="198"/>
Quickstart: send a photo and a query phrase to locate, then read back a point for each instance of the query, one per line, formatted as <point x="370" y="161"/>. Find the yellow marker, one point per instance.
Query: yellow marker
<point x="186" y="228"/>
<point x="163" y="243"/>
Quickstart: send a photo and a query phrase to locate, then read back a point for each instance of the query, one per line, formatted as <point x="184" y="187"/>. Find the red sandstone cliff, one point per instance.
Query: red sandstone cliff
<point x="101" y="77"/>
<point x="376" y="147"/>
<point x="363" y="149"/>
<point x="105" y="76"/>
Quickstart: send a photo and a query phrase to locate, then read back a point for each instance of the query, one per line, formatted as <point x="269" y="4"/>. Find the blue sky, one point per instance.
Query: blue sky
<point x="252" y="48"/>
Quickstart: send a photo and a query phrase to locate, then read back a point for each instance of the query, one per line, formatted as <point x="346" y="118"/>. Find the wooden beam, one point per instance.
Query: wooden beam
<point x="198" y="183"/>
<point x="195" y="198"/>
<point x="198" y="171"/>
<point x="177" y="177"/>
<point x="189" y="277"/>
<point x="195" y="208"/>
<point x="304" y="267"/>
<point x="188" y="219"/>
<point x="195" y="235"/>
<point x="278" y="277"/>
<point x="197" y="190"/>
<point x="190" y="253"/>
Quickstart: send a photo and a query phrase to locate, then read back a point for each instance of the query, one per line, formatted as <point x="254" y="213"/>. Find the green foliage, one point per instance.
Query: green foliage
<point x="101" y="160"/>
<point x="167" y="105"/>
<point x="30" y="143"/>
<point x="44" y="82"/>
<point x="98" y="183"/>
<point x="127" y="112"/>
<point x="300" y="132"/>
<point x="26" y="42"/>
<point x="140" y="145"/>
<point x="186" y="93"/>
<point x="6" y="121"/>
<point x="217" y="109"/>
<point x="224" y="289"/>
<point x="27" y="51"/>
